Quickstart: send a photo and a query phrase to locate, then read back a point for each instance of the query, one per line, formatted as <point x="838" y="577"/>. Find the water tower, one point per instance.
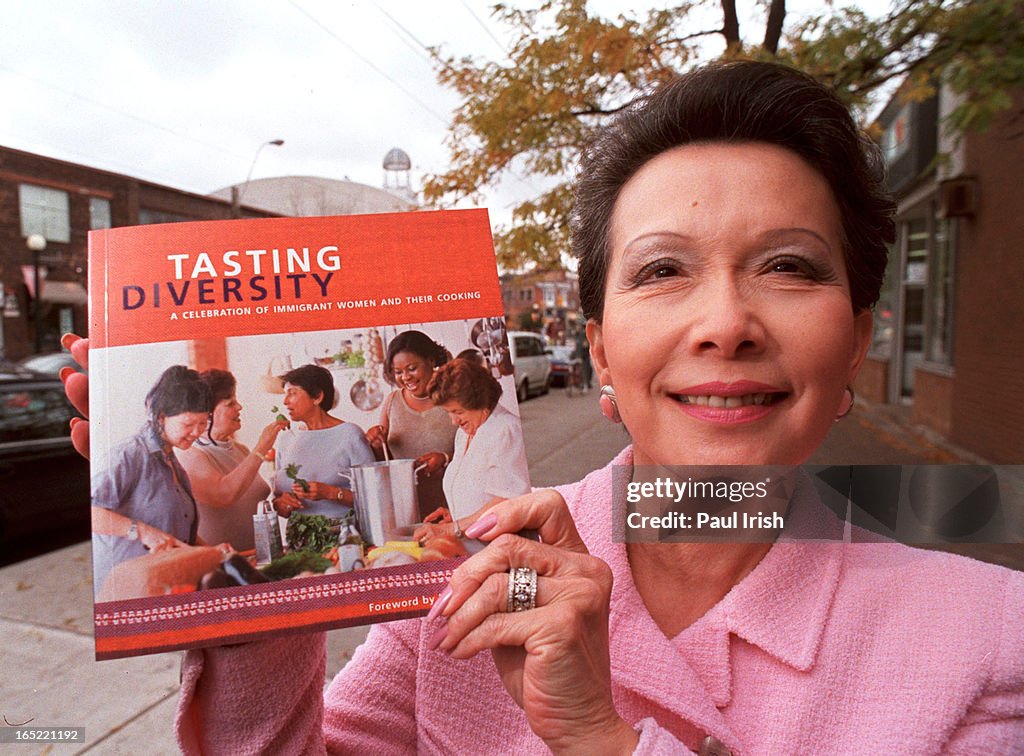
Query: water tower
<point x="397" y="166"/>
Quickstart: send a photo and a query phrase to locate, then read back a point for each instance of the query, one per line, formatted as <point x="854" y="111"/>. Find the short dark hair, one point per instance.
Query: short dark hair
<point x="738" y="101"/>
<point x="222" y="384"/>
<point x="414" y="342"/>
<point x="178" y="390"/>
<point x="314" y="380"/>
<point x="473" y="355"/>
<point x="467" y="383"/>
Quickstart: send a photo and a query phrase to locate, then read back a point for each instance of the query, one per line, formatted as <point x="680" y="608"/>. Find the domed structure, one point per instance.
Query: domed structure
<point x="397" y="159"/>
<point x="396" y="174"/>
<point x="303" y="196"/>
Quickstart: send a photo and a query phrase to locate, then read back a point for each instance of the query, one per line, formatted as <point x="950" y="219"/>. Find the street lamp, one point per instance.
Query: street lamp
<point x="272" y="142"/>
<point x="36" y="244"/>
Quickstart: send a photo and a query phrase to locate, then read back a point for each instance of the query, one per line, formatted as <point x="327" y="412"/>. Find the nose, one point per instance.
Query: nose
<point x="727" y="320"/>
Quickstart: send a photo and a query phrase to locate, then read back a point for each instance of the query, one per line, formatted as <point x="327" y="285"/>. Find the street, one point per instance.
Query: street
<point x="46" y="615"/>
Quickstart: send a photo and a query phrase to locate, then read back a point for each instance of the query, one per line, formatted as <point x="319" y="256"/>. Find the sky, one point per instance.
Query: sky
<point x="184" y="93"/>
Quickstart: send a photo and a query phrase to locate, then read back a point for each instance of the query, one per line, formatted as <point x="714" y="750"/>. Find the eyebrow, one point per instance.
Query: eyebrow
<point x="775" y="236"/>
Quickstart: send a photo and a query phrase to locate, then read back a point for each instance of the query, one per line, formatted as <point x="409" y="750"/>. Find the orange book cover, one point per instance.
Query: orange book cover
<point x="208" y="339"/>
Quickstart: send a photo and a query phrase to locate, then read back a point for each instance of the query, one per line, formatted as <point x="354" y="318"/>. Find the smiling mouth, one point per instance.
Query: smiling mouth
<point x="731" y="402"/>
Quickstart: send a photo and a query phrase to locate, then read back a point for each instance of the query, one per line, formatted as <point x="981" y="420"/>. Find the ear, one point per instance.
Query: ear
<point x="595" y="335"/>
<point x="862" y="330"/>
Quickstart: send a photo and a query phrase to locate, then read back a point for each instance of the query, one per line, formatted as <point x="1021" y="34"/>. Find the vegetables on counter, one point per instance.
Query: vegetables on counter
<point x="295" y="562"/>
<point x="313" y="532"/>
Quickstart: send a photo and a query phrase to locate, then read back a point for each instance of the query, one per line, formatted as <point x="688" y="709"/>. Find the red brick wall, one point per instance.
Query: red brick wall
<point x="933" y="401"/>
<point x="871" y="382"/>
<point x="987" y="414"/>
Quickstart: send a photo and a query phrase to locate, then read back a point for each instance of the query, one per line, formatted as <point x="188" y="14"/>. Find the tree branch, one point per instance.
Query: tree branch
<point x="731" y="25"/>
<point x="773" y="29"/>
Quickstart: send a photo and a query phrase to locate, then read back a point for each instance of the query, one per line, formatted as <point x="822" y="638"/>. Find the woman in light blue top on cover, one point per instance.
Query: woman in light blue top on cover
<point x="318" y="455"/>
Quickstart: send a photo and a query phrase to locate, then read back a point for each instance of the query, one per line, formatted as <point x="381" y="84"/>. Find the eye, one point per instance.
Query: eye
<point x="793" y="266"/>
<point x="657" y="270"/>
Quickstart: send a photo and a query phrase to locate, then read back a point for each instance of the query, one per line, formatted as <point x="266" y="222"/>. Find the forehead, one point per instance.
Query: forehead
<point x="406" y="358"/>
<point x="189" y="418"/>
<point x="724" y="193"/>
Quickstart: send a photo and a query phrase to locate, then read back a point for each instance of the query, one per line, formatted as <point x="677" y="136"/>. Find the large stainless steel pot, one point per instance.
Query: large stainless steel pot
<point x="385" y="498"/>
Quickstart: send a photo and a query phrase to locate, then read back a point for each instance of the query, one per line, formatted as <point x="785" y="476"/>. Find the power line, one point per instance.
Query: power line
<point x="118" y="111"/>
<point x="484" y="26"/>
<point x="368" y="62"/>
<point x="419" y="48"/>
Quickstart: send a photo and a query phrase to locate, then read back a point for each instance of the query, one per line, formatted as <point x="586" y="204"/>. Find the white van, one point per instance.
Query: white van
<point x="531" y="362"/>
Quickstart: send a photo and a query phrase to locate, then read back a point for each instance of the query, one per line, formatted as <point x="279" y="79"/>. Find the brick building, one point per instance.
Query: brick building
<point x="546" y="301"/>
<point x="947" y="338"/>
<point x="59" y="202"/>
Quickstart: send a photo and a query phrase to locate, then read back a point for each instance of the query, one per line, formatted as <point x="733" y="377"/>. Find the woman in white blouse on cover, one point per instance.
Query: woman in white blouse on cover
<point x="489" y="463"/>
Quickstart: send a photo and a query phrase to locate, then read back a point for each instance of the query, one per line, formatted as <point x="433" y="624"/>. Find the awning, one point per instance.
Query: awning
<point x="57" y="292"/>
<point x="64" y="292"/>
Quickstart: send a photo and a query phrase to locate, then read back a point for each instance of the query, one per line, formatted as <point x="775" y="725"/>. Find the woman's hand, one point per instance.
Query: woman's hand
<point x="434" y="461"/>
<point x="157" y="540"/>
<point x="317" y="490"/>
<point x="376" y="436"/>
<point x="76" y="386"/>
<point x="268" y="436"/>
<point x="424" y="533"/>
<point x="287" y="503"/>
<point x="553" y="659"/>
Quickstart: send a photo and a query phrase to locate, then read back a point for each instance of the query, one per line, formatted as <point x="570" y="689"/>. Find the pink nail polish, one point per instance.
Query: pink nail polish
<point x="439" y="635"/>
<point x="440" y="603"/>
<point x="482" y="525"/>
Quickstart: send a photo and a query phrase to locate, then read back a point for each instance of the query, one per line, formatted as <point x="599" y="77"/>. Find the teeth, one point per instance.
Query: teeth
<point x="727" y="402"/>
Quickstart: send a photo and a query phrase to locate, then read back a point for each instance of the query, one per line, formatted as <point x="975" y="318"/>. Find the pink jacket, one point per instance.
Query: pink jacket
<point x="825" y="647"/>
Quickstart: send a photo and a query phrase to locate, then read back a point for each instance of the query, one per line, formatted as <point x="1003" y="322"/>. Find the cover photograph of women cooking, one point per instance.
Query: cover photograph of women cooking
<point x="245" y="461"/>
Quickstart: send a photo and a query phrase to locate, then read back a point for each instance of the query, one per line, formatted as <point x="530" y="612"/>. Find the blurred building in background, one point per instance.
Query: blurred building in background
<point x="546" y="301"/>
<point x="947" y="340"/>
<point x="304" y="196"/>
<point x="47" y="208"/>
<point x="53" y="205"/>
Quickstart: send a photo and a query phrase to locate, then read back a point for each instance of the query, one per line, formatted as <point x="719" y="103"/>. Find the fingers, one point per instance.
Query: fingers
<point x="509" y="551"/>
<point x="78" y="347"/>
<point x="76" y="387"/>
<point x="80" y="436"/>
<point x="544" y="511"/>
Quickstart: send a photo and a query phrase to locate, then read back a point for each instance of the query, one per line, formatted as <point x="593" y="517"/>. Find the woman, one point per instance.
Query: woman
<point x="143" y="501"/>
<point x="720" y="213"/>
<point x="411" y="425"/>
<point x="311" y="462"/>
<point x="223" y="472"/>
<point x="490" y="462"/>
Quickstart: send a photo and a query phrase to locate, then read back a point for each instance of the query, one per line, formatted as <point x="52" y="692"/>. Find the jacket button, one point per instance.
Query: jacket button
<point x="712" y="746"/>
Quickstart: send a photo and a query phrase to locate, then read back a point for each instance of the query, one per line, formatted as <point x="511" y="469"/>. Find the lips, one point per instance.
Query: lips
<point x="739" y="401"/>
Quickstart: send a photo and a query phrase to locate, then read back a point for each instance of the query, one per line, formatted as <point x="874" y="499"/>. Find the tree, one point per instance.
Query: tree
<point x="568" y="70"/>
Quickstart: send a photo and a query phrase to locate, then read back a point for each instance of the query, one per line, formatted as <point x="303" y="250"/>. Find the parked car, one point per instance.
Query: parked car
<point x="562" y="363"/>
<point x="531" y="362"/>
<point x="49" y="363"/>
<point x="44" y="483"/>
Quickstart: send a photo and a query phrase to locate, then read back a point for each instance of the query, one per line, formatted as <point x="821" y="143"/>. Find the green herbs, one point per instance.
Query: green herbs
<point x="280" y="417"/>
<point x="292" y="471"/>
<point x="292" y="563"/>
<point x="316" y="533"/>
<point x="350" y="359"/>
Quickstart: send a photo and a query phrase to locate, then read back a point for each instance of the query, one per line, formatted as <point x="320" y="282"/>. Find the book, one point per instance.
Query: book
<point x="184" y="555"/>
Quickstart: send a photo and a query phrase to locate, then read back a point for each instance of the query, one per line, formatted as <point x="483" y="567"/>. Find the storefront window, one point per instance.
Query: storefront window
<point x="884" y="334"/>
<point x="940" y="289"/>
